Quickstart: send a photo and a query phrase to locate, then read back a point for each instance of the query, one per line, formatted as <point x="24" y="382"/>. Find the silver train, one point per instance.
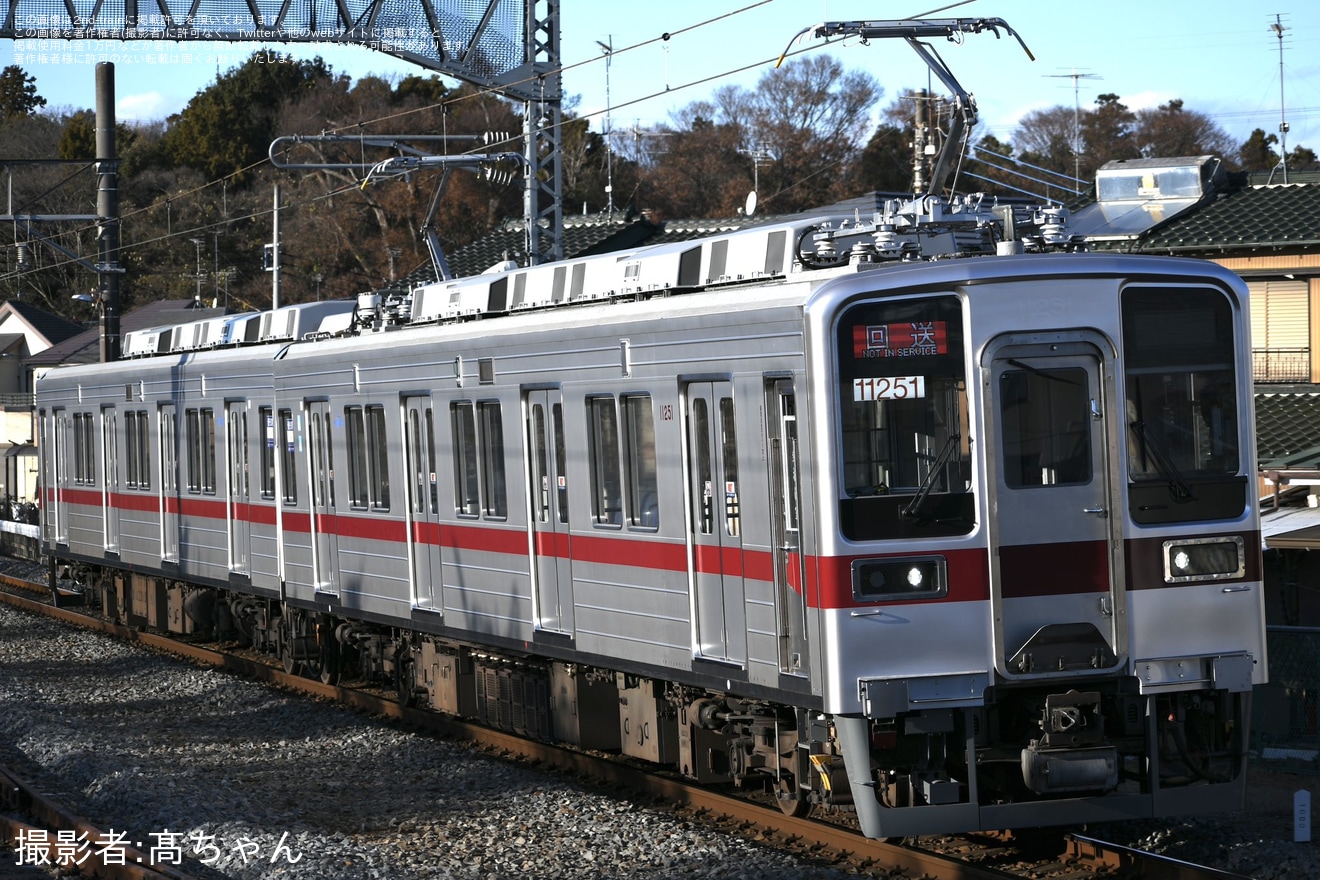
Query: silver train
<point x="927" y="516"/>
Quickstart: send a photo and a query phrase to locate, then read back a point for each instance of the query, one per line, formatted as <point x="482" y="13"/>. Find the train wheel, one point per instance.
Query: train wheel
<point x="404" y="685"/>
<point x="330" y="665"/>
<point x="291" y="666"/>
<point x="791" y="798"/>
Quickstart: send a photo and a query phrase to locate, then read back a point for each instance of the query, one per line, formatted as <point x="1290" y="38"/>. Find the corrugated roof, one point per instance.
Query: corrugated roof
<point x="1288" y="427"/>
<point x="1275" y="217"/>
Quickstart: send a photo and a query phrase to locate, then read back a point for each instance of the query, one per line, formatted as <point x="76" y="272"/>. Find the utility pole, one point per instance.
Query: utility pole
<point x="199" y="243"/>
<point x="107" y="211"/>
<point x="1278" y="29"/>
<point x="607" y="49"/>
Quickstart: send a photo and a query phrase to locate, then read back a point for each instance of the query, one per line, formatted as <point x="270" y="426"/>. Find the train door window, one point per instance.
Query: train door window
<point x="266" y="418"/>
<point x="84" y="449"/>
<point x="703" y="516"/>
<point x="130" y="450"/>
<point x="494" y="489"/>
<point x="416" y="458"/>
<point x="110" y="467"/>
<point x="904" y="432"/>
<point x="315" y="443"/>
<point x="1047" y="426"/>
<point x="729" y="456"/>
<point x="289" y="471"/>
<point x="238" y="439"/>
<point x="467" y="479"/>
<point x="603" y="456"/>
<point x="639" y="454"/>
<point x="561" y="458"/>
<point x="540" y="464"/>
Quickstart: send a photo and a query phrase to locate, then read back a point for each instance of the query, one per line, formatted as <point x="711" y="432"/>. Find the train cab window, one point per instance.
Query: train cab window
<point x="640" y="461"/>
<point x="287" y="447"/>
<point x="368" y="462"/>
<point x="603" y="458"/>
<point x="266" y="416"/>
<point x="1181" y="419"/>
<point x="904" y="432"/>
<point x="199" y="436"/>
<point x="137" y="450"/>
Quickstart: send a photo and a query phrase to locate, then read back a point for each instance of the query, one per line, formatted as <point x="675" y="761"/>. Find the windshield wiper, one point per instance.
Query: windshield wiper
<point x="1178" y="488"/>
<point x="911" y="509"/>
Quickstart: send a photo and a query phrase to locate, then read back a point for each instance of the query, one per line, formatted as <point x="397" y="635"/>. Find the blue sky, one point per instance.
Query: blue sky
<point x="1221" y="58"/>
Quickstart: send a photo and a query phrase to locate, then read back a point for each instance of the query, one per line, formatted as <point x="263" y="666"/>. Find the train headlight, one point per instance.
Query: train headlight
<point x="1204" y="559"/>
<point x="889" y="580"/>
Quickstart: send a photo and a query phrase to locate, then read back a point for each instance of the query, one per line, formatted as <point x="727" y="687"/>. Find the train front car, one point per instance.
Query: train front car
<point x="1043" y="601"/>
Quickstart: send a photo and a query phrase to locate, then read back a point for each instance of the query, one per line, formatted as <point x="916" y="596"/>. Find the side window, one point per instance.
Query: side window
<point x="290" y="472"/>
<point x="467" y="499"/>
<point x="479" y="472"/>
<point x="494" y="491"/>
<point x="199" y="438"/>
<point x="640" y="461"/>
<point x="137" y="448"/>
<point x="378" y="456"/>
<point x="84" y="449"/>
<point x="192" y="449"/>
<point x="368" y="461"/>
<point x="603" y="459"/>
<point x="267" y="419"/>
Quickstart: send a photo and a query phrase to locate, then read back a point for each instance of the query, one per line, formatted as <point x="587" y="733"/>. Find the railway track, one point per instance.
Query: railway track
<point x="46" y="834"/>
<point x="1047" y="855"/>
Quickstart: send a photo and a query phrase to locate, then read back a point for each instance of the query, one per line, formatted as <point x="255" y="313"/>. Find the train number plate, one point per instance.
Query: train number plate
<point x="889" y="388"/>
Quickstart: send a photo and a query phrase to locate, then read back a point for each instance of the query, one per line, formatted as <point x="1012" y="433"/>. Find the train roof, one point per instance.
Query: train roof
<point x="901" y="231"/>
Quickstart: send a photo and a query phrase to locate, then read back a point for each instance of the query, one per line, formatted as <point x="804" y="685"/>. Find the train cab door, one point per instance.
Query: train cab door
<point x="60" y="476"/>
<point x="552" y="561"/>
<point x="110" y="484"/>
<point x="1056" y="572"/>
<point x="321" y="461"/>
<point x="715" y="522"/>
<point x="240" y="499"/>
<point x="786" y="526"/>
<point x="423" y="503"/>
<point x="169" y="484"/>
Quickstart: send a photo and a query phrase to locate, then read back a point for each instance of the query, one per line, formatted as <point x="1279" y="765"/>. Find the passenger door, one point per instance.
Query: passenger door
<point x="110" y="485"/>
<point x="715" y="521"/>
<point x="240" y="498"/>
<point x="321" y="460"/>
<point x="1056" y="569"/>
<point x="786" y="527"/>
<point x="169" y="484"/>
<point x="423" y="504"/>
<point x="60" y="475"/>
<point x="552" y="558"/>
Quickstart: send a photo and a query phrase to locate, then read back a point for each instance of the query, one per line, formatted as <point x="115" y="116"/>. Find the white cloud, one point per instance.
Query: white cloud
<point x="146" y="106"/>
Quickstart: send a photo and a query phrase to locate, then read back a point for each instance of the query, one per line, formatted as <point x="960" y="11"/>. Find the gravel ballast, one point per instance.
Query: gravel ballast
<point x="242" y="774"/>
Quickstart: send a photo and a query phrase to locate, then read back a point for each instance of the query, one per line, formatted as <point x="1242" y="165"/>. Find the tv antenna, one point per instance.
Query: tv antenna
<point x="1278" y="29"/>
<point x="1077" y="114"/>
